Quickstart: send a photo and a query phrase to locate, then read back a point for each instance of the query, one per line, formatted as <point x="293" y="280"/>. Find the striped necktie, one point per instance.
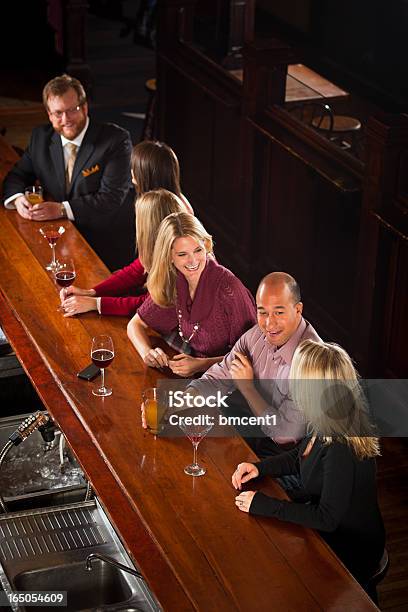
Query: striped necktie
<point x="72" y="150"/>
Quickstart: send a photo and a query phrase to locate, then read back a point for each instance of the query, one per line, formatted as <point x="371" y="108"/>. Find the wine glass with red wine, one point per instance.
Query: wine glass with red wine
<point x="195" y="433"/>
<point x="102" y="354"/>
<point x="64" y="273"/>
<point x="52" y="232"/>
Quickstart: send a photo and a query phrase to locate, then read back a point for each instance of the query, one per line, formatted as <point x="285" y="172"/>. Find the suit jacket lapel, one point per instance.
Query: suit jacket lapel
<point x="57" y="156"/>
<point x="85" y="151"/>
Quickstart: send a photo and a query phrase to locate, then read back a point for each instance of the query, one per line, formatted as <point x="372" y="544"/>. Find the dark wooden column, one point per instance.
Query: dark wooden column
<point x="264" y="84"/>
<point x="235" y="28"/>
<point x="265" y="69"/>
<point x="75" y="15"/>
<point x="174" y="22"/>
<point x="381" y="296"/>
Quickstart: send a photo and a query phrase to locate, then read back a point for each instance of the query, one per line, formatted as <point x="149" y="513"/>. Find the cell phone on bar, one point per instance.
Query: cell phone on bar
<point x="89" y="373"/>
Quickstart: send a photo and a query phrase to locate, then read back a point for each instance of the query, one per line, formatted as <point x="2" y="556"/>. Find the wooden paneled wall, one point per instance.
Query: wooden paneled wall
<point x="381" y="322"/>
<point x="275" y="194"/>
<point x="305" y="221"/>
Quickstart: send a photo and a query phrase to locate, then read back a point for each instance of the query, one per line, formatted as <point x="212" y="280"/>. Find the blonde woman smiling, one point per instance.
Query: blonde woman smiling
<point x="197" y="305"/>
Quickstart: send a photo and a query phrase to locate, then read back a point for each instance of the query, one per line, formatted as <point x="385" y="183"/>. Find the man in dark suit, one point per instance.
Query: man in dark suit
<point x="84" y="170"/>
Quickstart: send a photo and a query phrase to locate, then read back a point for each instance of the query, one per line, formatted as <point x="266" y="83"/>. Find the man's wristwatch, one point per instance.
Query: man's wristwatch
<point x="63" y="211"/>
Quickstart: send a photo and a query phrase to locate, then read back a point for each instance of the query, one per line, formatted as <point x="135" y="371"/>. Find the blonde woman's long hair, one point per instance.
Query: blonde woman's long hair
<point x="151" y="208"/>
<point x="161" y="282"/>
<point x="324" y="384"/>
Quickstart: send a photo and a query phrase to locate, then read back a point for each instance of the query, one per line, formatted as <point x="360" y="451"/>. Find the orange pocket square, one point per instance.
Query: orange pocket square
<point x="89" y="171"/>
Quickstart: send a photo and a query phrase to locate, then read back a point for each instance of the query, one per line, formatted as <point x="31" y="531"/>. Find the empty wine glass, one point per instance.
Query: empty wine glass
<point x="102" y="355"/>
<point x="52" y="233"/>
<point x="195" y="433"/>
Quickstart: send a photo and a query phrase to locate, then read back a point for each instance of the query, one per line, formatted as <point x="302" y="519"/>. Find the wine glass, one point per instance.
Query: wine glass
<point x="195" y="433"/>
<point x="64" y="274"/>
<point x="52" y="233"/>
<point x="102" y="355"/>
<point x="34" y="194"/>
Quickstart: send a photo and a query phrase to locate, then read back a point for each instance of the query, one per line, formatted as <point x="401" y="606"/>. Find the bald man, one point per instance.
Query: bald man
<point x="259" y="363"/>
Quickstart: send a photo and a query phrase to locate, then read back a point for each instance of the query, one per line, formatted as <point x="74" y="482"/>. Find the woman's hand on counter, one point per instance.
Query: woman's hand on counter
<point x="76" y="304"/>
<point x="156" y="358"/>
<point x="185" y="365"/>
<point x="244" y="500"/>
<point x="74" y="290"/>
<point x="244" y="473"/>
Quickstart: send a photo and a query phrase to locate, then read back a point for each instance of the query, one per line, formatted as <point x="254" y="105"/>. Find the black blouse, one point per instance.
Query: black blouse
<point x="338" y="498"/>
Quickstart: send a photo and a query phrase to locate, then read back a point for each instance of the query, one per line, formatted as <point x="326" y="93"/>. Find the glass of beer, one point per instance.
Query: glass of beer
<point x="34" y="194"/>
<point x="155" y="408"/>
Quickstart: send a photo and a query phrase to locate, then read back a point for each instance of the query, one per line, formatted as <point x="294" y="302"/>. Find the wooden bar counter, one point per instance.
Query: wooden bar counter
<point x="196" y="550"/>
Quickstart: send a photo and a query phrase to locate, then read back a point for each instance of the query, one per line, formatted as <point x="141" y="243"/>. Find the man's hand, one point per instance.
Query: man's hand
<point x="23" y="207"/>
<point x="185" y="365"/>
<point x="243" y="473"/>
<point x="242" y="372"/>
<point x="46" y="211"/>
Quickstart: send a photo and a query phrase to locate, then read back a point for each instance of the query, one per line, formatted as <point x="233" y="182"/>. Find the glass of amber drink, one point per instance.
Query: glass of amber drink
<point x="34" y="194"/>
<point x="155" y="408"/>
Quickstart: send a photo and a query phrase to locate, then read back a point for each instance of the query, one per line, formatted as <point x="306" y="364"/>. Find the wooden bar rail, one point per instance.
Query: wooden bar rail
<point x="196" y="550"/>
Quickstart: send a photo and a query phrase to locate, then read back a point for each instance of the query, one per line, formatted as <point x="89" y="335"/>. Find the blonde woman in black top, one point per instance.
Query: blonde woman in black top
<point x="336" y="462"/>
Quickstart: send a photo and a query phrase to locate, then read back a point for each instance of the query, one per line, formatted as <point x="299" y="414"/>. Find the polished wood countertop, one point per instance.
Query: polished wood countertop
<point x="196" y="550"/>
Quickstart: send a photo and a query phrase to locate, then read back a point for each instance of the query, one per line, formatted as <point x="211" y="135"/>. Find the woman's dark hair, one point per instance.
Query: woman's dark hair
<point x="155" y="166"/>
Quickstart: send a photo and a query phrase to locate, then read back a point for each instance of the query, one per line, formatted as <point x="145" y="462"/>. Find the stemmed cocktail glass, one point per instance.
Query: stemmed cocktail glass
<point x="102" y="354"/>
<point x="195" y="433"/>
<point x="52" y="233"/>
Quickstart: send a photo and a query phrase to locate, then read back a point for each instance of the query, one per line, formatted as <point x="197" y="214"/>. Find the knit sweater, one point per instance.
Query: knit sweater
<point x="222" y="307"/>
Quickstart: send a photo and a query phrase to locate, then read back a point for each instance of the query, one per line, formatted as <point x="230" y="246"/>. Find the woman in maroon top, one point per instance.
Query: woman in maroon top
<point x="151" y="208"/>
<point x="154" y="165"/>
<point x="198" y="306"/>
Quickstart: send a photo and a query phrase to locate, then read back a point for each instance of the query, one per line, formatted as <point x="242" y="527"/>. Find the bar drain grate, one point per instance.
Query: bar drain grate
<point x="28" y="535"/>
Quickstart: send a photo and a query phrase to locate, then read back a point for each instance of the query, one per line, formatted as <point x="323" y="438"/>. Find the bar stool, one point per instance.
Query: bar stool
<point x="339" y="128"/>
<point x="314" y="114"/>
<point x="378" y="575"/>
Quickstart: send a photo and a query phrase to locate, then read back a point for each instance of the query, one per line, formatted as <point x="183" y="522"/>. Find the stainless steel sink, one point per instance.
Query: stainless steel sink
<point x="104" y="585"/>
<point x="46" y="549"/>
